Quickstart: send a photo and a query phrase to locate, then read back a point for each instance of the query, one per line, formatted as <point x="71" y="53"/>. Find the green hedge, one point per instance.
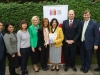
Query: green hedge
<point x="15" y="12"/>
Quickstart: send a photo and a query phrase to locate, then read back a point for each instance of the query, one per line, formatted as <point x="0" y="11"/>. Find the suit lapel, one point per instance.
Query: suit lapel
<point x="83" y="24"/>
<point x="67" y="23"/>
<point x="88" y="25"/>
<point x="72" y="24"/>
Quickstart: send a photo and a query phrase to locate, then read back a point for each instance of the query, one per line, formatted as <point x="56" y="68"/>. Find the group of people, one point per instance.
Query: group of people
<point x="35" y="41"/>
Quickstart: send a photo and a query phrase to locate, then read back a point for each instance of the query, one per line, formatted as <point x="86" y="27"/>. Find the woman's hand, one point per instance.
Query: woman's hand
<point x="13" y="55"/>
<point x="53" y="43"/>
<point x="33" y="49"/>
<point x="19" y="54"/>
<point x="39" y="49"/>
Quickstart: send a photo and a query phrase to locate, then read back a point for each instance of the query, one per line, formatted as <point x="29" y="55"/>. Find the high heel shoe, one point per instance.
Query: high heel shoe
<point x="53" y="69"/>
<point x="36" y="70"/>
<point x="57" y="69"/>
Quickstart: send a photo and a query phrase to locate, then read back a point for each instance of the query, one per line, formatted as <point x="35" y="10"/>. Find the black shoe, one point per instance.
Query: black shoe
<point x="26" y="72"/>
<point x="47" y="68"/>
<point x="23" y="73"/>
<point x="97" y="69"/>
<point x="81" y="69"/>
<point x="66" y="69"/>
<point x="57" y="69"/>
<point x="85" y="71"/>
<point x="53" y="69"/>
<point x="44" y="69"/>
<point x="74" y="69"/>
<point x="16" y="73"/>
<point x="36" y="70"/>
<point x="39" y="68"/>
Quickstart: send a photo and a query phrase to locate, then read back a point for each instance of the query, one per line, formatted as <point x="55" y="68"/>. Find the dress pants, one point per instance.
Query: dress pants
<point x="98" y="56"/>
<point x="44" y="55"/>
<point x="86" y="56"/>
<point x="25" y="52"/>
<point x="70" y="55"/>
<point x="13" y="63"/>
<point x="2" y="65"/>
<point x="35" y="56"/>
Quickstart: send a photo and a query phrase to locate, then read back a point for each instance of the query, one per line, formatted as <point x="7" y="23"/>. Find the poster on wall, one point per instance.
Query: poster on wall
<point x="60" y="12"/>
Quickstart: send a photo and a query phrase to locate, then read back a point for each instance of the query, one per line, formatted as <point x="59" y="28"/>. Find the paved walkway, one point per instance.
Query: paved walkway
<point x="61" y="72"/>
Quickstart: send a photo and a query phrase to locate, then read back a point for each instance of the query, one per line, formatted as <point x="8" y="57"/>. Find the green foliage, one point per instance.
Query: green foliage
<point x="15" y="12"/>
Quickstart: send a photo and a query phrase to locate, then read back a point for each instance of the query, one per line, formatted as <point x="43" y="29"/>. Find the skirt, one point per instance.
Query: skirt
<point x="55" y="54"/>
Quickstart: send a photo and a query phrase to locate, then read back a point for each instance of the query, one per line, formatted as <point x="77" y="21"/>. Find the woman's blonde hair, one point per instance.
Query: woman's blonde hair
<point x="34" y="18"/>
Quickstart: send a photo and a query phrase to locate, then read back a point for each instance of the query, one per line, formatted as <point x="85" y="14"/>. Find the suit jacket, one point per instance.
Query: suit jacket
<point x="33" y="36"/>
<point x="91" y="34"/>
<point x="10" y="43"/>
<point x="2" y="47"/>
<point x="71" y="33"/>
<point x="40" y="38"/>
<point x="60" y="36"/>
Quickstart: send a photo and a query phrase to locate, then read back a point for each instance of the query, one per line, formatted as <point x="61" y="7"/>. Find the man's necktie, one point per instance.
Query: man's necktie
<point x="70" y="24"/>
<point x="83" y="31"/>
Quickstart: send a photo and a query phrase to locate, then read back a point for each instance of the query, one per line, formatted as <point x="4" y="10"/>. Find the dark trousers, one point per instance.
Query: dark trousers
<point x="98" y="57"/>
<point x="2" y="65"/>
<point x="13" y="63"/>
<point x="86" y="56"/>
<point x="70" y="54"/>
<point x="25" y="52"/>
<point x="35" y="56"/>
<point x="44" y="54"/>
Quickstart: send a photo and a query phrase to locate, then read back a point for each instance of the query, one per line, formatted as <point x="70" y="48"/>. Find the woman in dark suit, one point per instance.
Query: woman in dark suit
<point x="43" y="34"/>
<point x="11" y="45"/>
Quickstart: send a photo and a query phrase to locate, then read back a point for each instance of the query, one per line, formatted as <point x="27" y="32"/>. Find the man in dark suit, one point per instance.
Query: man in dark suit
<point x="98" y="54"/>
<point x="71" y="29"/>
<point x="2" y="51"/>
<point x="89" y="40"/>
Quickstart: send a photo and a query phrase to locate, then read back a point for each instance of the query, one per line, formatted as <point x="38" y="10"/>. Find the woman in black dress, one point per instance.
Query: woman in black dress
<point x="43" y="34"/>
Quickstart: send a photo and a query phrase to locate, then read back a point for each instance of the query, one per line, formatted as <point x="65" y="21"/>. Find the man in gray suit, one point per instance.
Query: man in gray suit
<point x="2" y="51"/>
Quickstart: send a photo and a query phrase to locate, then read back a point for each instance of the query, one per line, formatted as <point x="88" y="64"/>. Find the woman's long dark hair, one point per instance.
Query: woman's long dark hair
<point x="43" y="23"/>
<point x="6" y="27"/>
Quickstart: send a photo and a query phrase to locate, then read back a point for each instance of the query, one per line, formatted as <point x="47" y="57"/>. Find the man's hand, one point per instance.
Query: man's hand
<point x="67" y="41"/>
<point x="95" y="47"/>
<point x="70" y="41"/>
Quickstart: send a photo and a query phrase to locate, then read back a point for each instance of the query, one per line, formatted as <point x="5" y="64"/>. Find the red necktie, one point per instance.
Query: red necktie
<point x="70" y="23"/>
